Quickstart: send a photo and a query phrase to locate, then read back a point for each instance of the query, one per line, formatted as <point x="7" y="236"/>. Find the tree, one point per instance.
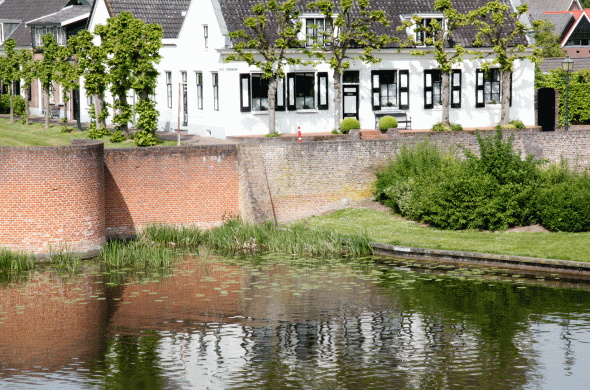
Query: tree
<point x="67" y="74"/>
<point x="439" y="37"/>
<point x="505" y="32"/>
<point x="28" y="69"/>
<point x="264" y="43"/>
<point x="91" y="60"/>
<point x="547" y="41"/>
<point x="132" y="49"/>
<point x="349" y="28"/>
<point x="10" y="71"/>
<point x="46" y="70"/>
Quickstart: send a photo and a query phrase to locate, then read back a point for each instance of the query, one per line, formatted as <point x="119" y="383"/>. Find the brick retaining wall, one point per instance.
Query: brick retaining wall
<point x="52" y="198"/>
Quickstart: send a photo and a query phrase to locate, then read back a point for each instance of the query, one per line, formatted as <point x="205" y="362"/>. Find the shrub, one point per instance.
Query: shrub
<point x="94" y="133"/>
<point x="348" y="124"/>
<point x="439" y="127"/>
<point x="117" y="137"/>
<point x="387" y="122"/>
<point x="456" y="127"/>
<point x="18" y="104"/>
<point x="145" y="138"/>
<point x="517" y="123"/>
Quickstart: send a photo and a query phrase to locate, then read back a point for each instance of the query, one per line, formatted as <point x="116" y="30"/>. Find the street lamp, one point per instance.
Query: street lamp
<point x="567" y="65"/>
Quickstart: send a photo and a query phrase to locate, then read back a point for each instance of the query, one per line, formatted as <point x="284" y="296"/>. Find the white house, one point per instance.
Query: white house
<point x="227" y="99"/>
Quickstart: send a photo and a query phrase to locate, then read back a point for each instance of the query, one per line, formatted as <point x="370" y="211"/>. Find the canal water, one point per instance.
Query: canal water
<point x="280" y="322"/>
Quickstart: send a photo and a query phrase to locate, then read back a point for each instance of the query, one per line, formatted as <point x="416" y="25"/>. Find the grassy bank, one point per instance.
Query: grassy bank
<point x="17" y="134"/>
<point x="388" y="229"/>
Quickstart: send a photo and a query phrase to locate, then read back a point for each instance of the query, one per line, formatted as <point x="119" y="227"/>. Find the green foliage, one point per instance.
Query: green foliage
<point x="517" y="123"/>
<point x="94" y="133"/>
<point x="492" y="191"/>
<point x="387" y="122"/>
<point x="347" y="25"/>
<point x="269" y="33"/>
<point x="348" y="124"/>
<point x="579" y="93"/>
<point x="117" y="137"/>
<point x="563" y="200"/>
<point x="148" y="115"/>
<point x="145" y="138"/>
<point x="18" y="103"/>
<point x="273" y="135"/>
<point x="450" y="127"/>
<point x="548" y="42"/>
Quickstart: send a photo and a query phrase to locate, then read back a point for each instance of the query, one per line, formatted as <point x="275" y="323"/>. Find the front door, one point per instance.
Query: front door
<point x="350" y="101"/>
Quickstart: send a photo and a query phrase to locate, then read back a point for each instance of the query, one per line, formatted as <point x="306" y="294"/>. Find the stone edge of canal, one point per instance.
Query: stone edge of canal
<point x="483" y="259"/>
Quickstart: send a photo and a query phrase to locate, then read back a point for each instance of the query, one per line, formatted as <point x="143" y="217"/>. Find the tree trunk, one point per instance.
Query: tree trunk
<point x="26" y="105"/>
<point x="97" y="110"/>
<point x="446" y="99"/>
<point x="124" y="127"/>
<point x="272" y="96"/>
<point x="11" y="103"/>
<point x="47" y="113"/>
<point x="505" y="118"/>
<point x="337" y="99"/>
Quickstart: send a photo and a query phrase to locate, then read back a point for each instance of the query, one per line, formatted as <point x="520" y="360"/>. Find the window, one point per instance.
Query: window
<point x="199" y="90"/>
<point x="488" y="87"/>
<point x="206" y="35"/>
<point x="259" y="93"/>
<point x="390" y="88"/>
<point x="350" y="77"/>
<point x="254" y="93"/>
<point x="301" y="90"/>
<point x="421" y="36"/>
<point x="314" y="27"/>
<point x="57" y="31"/>
<point x="433" y="88"/>
<point x="215" y="77"/>
<point x="169" y="88"/>
<point x="184" y="99"/>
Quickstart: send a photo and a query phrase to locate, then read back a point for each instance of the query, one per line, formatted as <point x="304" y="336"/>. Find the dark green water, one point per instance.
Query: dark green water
<point x="284" y="323"/>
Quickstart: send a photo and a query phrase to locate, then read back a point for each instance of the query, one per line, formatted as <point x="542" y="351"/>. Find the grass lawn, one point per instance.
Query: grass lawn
<point x="17" y="134"/>
<point x="389" y="229"/>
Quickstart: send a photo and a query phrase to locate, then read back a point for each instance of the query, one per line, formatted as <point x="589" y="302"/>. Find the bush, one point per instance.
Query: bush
<point x="439" y="127"/>
<point x="94" y="133"/>
<point x="387" y="122"/>
<point x="456" y="127"/>
<point x="145" y="138"/>
<point x="563" y="202"/>
<point x="349" y="124"/>
<point x="517" y="123"/>
<point x="117" y="137"/>
<point x="18" y="104"/>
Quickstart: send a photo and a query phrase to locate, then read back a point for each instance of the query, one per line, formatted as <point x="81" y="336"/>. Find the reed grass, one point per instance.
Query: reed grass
<point x="15" y="261"/>
<point x="135" y="254"/>
<point x="173" y="236"/>
<point x="64" y="261"/>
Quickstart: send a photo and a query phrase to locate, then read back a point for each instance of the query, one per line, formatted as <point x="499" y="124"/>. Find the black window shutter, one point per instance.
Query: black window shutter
<point x="291" y="91"/>
<point x="404" y="89"/>
<point x="456" y="88"/>
<point x="428" y="89"/>
<point x="245" y="105"/>
<point x="375" y="77"/>
<point x="510" y="89"/>
<point x="323" y="90"/>
<point x="280" y="98"/>
<point x="479" y="88"/>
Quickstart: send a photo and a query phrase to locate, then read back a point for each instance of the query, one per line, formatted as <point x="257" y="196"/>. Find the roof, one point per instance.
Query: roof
<point x="63" y="17"/>
<point x="563" y="22"/>
<point x="235" y="11"/>
<point x="555" y="63"/>
<point x="169" y="14"/>
<point x="538" y="7"/>
<point x="25" y="11"/>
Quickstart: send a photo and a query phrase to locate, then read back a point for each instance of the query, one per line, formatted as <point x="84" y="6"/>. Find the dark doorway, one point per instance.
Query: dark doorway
<point x="350" y="103"/>
<point x="76" y="102"/>
<point x="546" y="109"/>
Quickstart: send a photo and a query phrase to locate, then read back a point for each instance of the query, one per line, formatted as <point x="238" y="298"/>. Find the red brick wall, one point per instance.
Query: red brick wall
<point x="189" y="185"/>
<point x="52" y="198"/>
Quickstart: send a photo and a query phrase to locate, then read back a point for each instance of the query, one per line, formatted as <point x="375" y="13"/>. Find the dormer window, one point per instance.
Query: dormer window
<point x="422" y="35"/>
<point x="58" y="33"/>
<point x="7" y="27"/>
<point x="314" y="29"/>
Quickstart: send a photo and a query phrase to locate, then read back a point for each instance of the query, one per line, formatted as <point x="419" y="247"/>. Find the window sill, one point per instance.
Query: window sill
<point x="259" y="112"/>
<point x="307" y="111"/>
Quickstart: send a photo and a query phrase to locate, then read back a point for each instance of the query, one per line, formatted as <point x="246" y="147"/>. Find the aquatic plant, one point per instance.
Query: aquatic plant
<point x="173" y="236"/>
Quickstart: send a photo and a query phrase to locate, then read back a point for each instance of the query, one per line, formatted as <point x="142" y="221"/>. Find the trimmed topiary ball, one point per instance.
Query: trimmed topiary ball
<point x="349" y="124"/>
<point x="387" y="122"/>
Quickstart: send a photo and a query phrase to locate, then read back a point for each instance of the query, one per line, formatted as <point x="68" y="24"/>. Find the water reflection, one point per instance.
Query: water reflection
<point x="292" y="323"/>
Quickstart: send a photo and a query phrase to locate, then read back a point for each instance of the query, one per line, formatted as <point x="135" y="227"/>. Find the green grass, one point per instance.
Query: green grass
<point x="17" y="134"/>
<point x="388" y="229"/>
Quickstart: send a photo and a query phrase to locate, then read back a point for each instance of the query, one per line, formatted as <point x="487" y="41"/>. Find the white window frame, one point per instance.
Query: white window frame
<point x="168" y="75"/>
<point x="206" y="36"/>
<point x="215" y="82"/>
<point x="199" y="81"/>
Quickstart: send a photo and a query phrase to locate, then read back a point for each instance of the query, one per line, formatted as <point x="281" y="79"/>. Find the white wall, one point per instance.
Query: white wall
<point x="188" y="53"/>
